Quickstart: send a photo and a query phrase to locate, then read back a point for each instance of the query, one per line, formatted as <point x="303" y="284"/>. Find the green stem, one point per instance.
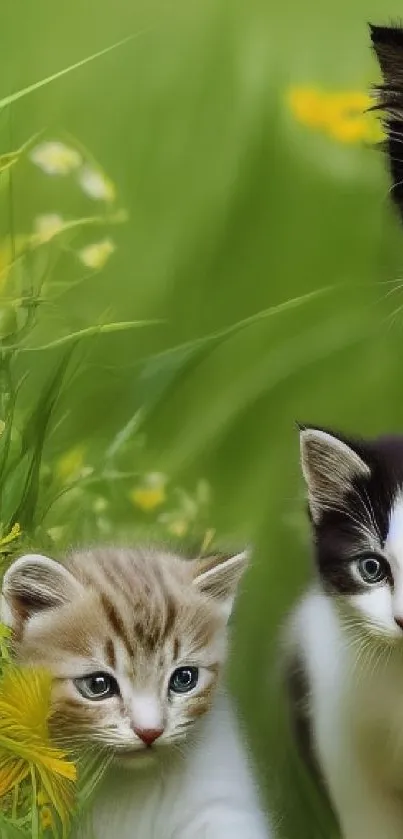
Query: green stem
<point x="14" y="811"/>
<point x="34" y="821"/>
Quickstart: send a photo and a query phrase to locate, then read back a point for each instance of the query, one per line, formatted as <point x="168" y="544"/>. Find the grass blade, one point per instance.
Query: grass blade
<point x="25" y="91"/>
<point x="160" y="372"/>
<point x="87" y="332"/>
<point x="35" y="437"/>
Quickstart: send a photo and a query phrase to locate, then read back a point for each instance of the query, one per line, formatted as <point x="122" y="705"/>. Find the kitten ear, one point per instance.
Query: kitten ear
<point x="32" y="584"/>
<point x="329" y="467"/>
<point x="387" y="42"/>
<point x="218" y="577"/>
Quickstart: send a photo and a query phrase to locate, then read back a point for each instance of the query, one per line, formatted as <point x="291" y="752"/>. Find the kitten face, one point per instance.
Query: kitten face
<point x="355" y="493"/>
<point x="135" y="641"/>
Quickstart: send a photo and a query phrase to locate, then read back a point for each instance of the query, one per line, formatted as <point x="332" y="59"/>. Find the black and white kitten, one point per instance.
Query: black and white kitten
<point x="346" y="635"/>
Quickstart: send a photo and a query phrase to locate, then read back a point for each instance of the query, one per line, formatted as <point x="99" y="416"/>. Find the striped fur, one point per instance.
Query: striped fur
<point x="138" y="615"/>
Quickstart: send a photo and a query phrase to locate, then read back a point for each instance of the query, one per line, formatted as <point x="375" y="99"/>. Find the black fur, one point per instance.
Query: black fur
<point x="337" y="538"/>
<point x="388" y="45"/>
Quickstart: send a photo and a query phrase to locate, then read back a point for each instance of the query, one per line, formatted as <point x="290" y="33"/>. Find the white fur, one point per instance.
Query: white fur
<point x="380" y="606"/>
<point x="204" y="792"/>
<point x="356" y="714"/>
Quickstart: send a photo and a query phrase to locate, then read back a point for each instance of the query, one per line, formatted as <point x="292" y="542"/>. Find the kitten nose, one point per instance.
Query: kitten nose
<point x="399" y="622"/>
<point x="148" y="735"/>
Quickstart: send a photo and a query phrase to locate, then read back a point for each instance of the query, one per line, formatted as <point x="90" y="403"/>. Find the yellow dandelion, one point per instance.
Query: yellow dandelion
<point x="151" y="493"/>
<point x="55" y="158"/>
<point x="25" y="745"/>
<point x="96" y="185"/>
<point x="69" y="466"/>
<point x="96" y="255"/>
<point x="47" y="226"/>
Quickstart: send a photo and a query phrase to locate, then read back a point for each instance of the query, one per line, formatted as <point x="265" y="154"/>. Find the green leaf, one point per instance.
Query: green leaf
<point x="9" y="830"/>
<point x="161" y="372"/>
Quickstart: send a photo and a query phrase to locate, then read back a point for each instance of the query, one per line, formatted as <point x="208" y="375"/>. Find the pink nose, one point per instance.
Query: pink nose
<point x="148" y="735"/>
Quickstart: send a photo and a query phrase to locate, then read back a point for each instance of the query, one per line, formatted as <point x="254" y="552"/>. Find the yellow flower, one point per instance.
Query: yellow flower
<point x="47" y="226"/>
<point x="348" y="119"/>
<point x="96" y="255"/>
<point x="70" y="464"/>
<point x="178" y="527"/>
<point x="14" y="533"/>
<point x="25" y="745"/>
<point x="343" y="116"/>
<point x="96" y="185"/>
<point x="55" y="158"/>
<point x="46" y="818"/>
<point x="151" y="494"/>
<point x="307" y="106"/>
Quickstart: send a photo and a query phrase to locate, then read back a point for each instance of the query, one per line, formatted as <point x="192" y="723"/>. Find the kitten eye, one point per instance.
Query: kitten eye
<point x="372" y="569"/>
<point x="97" y="686"/>
<point x="184" y="679"/>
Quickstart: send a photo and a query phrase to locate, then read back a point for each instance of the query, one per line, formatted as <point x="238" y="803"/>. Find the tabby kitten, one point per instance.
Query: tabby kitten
<point x="136" y="642"/>
<point x="345" y="643"/>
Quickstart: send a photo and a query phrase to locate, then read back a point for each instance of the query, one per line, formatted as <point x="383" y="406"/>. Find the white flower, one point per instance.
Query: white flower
<point x="96" y="255"/>
<point x="96" y="185"/>
<point x="48" y="226"/>
<point x="55" y="158"/>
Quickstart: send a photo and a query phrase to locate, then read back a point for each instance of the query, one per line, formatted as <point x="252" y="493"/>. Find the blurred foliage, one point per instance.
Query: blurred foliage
<point x="237" y="195"/>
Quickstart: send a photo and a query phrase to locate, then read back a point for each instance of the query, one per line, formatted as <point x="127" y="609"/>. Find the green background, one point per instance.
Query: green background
<point x="234" y="207"/>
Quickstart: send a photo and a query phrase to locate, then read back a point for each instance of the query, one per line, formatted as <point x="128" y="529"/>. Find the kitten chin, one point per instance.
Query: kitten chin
<point x="140" y="760"/>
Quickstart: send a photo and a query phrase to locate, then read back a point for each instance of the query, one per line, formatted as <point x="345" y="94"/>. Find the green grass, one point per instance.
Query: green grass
<point x="233" y="209"/>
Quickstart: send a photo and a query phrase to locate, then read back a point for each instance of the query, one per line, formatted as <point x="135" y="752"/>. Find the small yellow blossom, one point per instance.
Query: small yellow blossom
<point x="96" y="255"/>
<point x="178" y="527"/>
<point x="96" y="185"/>
<point x="55" y="158"/>
<point x="343" y="116"/>
<point x="47" y="226"/>
<point x="14" y="533"/>
<point x="151" y="493"/>
<point x="308" y="106"/>
<point x="69" y="466"/>
<point x="46" y="818"/>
